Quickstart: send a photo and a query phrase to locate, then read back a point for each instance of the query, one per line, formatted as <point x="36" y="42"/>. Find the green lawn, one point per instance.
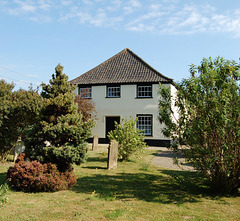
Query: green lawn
<point x="135" y="190"/>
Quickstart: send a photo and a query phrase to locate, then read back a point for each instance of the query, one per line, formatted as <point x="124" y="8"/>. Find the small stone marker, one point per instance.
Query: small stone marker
<point x="112" y="155"/>
<point x="95" y="142"/>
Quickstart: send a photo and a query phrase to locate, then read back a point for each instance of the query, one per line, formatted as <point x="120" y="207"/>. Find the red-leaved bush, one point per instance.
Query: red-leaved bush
<point x="32" y="176"/>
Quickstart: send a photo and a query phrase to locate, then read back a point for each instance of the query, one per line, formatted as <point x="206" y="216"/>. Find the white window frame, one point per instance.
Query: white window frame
<point x="144" y="91"/>
<point x="113" y="91"/>
<point x="145" y="124"/>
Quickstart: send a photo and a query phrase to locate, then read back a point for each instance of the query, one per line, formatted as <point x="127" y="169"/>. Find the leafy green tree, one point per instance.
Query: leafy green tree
<point x="129" y="138"/>
<point x="7" y="136"/>
<point x="19" y="111"/>
<point x="207" y="120"/>
<point x="26" y="112"/>
<point x="5" y="99"/>
<point x="60" y="137"/>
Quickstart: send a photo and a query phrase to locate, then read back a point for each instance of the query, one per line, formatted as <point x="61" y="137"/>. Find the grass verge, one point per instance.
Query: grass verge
<point x="136" y="190"/>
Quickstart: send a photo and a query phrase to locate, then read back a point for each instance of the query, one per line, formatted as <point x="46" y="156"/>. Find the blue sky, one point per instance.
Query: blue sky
<point x="36" y="35"/>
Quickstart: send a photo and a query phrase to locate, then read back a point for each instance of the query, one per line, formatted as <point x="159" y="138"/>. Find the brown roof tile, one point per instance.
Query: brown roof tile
<point x="124" y="67"/>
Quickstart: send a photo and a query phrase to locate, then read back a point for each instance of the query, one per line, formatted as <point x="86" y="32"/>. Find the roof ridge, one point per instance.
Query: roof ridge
<point x="145" y="63"/>
<point x="121" y="56"/>
<point x="103" y="63"/>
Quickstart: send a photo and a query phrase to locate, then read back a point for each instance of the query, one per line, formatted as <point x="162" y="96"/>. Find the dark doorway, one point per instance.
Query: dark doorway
<point x="110" y="125"/>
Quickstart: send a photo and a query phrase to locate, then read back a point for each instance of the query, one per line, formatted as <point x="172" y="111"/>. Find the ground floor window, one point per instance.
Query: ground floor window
<point x="145" y="123"/>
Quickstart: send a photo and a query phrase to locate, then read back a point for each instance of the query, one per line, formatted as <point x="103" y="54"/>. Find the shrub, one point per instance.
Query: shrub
<point x="62" y="156"/>
<point x="204" y="116"/>
<point x="32" y="176"/>
<point x="3" y="194"/>
<point x="129" y="138"/>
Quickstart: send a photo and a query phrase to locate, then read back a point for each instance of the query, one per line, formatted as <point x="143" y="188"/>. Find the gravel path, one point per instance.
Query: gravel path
<point x="164" y="158"/>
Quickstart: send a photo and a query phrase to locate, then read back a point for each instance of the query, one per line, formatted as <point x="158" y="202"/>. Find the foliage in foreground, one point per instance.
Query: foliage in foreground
<point x="128" y="193"/>
<point x="7" y="137"/>
<point x="3" y="194"/>
<point x="86" y="108"/>
<point x="129" y="138"/>
<point x="19" y="110"/>
<point x="32" y="176"/>
<point x="60" y="136"/>
<point x="207" y="120"/>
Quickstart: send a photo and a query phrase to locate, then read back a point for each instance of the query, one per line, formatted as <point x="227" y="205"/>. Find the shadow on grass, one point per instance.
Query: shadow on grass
<point x="3" y="178"/>
<point x="142" y="186"/>
<point x="96" y="159"/>
<point x="191" y="180"/>
<point x="155" y="153"/>
<point x="95" y="167"/>
<point x="168" y="154"/>
<point x="195" y="180"/>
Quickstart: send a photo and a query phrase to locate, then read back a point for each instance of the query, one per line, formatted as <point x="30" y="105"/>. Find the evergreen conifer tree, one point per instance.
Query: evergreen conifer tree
<point x="60" y="136"/>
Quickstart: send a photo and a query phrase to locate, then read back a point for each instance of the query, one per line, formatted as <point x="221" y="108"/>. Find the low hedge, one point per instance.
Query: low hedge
<point x="32" y="176"/>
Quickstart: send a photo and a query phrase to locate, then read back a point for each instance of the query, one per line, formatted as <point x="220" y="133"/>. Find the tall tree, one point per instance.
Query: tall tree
<point x="60" y="137"/>
<point x="5" y="99"/>
<point x="207" y="121"/>
<point x="27" y="107"/>
<point x="18" y="111"/>
<point x="7" y="135"/>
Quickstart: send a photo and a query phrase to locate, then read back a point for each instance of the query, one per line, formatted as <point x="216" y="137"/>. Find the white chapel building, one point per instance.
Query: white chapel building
<point x="125" y="86"/>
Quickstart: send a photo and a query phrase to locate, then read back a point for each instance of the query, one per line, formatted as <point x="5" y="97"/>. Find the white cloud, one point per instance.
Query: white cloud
<point x="188" y="20"/>
<point x="22" y="7"/>
<point x="227" y="23"/>
<point x="135" y="3"/>
<point x="83" y="17"/>
<point x="87" y="2"/>
<point x="141" y="27"/>
<point x="45" y="4"/>
<point x="65" y="2"/>
<point x="170" y="1"/>
<point x="131" y="6"/>
<point x="163" y="17"/>
<point x="98" y="20"/>
<point x="40" y="18"/>
<point x="27" y="7"/>
<point x="116" y="3"/>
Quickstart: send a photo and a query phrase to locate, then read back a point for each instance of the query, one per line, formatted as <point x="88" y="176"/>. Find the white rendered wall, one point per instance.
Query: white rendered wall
<point x="174" y="108"/>
<point x="125" y="106"/>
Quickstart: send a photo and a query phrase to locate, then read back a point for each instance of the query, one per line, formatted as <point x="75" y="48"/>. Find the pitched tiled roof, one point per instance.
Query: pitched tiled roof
<point x="124" y="67"/>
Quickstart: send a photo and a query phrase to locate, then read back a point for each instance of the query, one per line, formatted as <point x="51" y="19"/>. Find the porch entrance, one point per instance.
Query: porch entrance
<point x="110" y="125"/>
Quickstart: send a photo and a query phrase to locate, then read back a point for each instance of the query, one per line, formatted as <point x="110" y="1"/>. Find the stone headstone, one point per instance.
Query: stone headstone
<point x="112" y="155"/>
<point x="95" y="142"/>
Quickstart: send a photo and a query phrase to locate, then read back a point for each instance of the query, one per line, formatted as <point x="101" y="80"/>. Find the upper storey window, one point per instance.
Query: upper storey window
<point x="144" y="91"/>
<point x="85" y="92"/>
<point x="114" y="91"/>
